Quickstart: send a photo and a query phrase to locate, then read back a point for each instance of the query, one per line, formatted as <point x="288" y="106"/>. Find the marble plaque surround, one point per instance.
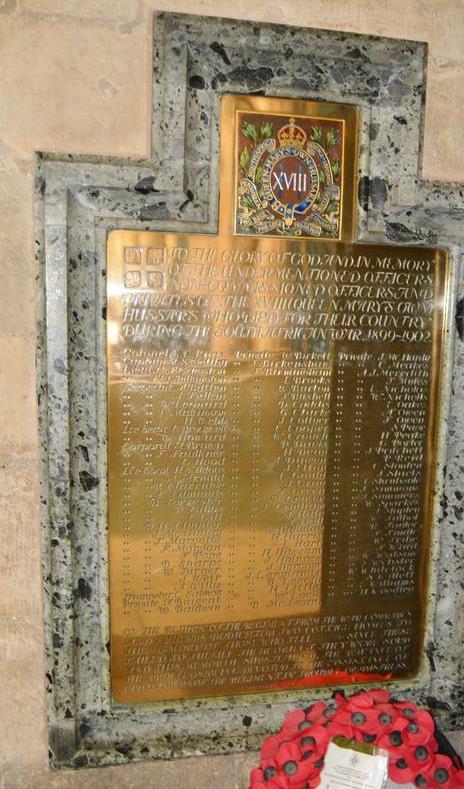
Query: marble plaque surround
<point x="79" y="200"/>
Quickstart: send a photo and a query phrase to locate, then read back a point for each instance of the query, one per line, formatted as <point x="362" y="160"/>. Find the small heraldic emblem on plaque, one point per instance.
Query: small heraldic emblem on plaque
<point x="289" y="175"/>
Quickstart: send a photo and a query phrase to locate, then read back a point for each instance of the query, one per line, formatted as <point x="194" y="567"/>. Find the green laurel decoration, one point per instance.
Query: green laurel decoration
<point x="267" y="130"/>
<point x="249" y="130"/>
<point x="244" y="160"/>
<point x="332" y="138"/>
<point x="255" y="135"/>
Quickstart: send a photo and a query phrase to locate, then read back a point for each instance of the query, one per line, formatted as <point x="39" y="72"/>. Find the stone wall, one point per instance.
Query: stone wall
<point x="76" y="77"/>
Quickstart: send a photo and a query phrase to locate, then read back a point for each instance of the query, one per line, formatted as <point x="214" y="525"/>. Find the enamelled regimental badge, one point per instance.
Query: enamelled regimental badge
<point x="289" y="176"/>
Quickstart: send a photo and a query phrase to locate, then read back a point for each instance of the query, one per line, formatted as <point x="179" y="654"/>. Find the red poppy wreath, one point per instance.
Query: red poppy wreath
<point x="294" y="758"/>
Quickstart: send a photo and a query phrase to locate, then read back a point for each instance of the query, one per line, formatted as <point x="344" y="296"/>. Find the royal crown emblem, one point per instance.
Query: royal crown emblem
<point x="289" y="176"/>
<point x="291" y="134"/>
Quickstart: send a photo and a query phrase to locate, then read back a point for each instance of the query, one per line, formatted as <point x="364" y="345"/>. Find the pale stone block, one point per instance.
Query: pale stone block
<point x="17" y="313"/>
<point x="63" y="78"/>
<point x="20" y="544"/>
<point x="102" y="11"/>
<point x="18" y="417"/>
<point x="23" y="720"/>
<point x="199" y="773"/>
<point x="443" y="140"/>
<point x="22" y="723"/>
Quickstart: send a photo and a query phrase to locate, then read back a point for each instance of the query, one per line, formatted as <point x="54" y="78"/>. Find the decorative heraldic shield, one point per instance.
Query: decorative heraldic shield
<point x="290" y="183"/>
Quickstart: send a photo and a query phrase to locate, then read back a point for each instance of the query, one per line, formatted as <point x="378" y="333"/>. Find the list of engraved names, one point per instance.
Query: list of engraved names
<point x="270" y="426"/>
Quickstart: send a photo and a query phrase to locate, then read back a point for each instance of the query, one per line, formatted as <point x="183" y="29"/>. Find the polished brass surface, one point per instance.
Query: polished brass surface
<point x="272" y="436"/>
<point x="273" y="407"/>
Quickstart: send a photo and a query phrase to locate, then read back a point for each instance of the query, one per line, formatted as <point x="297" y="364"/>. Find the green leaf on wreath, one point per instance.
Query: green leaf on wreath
<point x="322" y="176"/>
<point x="335" y="167"/>
<point x="258" y="174"/>
<point x="267" y="130"/>
<point x="247" y="201"/>
<point x="332" y="208"/>
<point x="249" y="130"/>
<point x="316" y="134"/>
<point x="332" y="138"/>
<point x="244" y="161"/>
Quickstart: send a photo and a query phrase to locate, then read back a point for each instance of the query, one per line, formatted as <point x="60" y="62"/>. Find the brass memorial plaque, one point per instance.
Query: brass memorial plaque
<point x="272" y="438"/>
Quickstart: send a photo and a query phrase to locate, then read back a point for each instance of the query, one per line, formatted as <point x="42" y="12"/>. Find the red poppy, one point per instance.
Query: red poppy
<point x="360" y="718"/>
<point x="381" y="696"/>
<point x="290" y="774"/>
<point x="315" y="739"/>
<point x="407" y="708"/>
<point x="365" y="737"/>
<point x="421" y="762"/>
<point x="274" y="778"/>
<point x="335" y="728"/>
<point x="299" y="720"/>
<point x="400" y="771"/>
<point x="270" y="745"/>
<point x="393" y="741"/>
<point x="287" y="751"/>
<point x="256" y="779"/>
<point x="387" y="716"/>
<point x="419" y="758"/>
<point x="255" y="784"/>
<point x="293" y="720"/>
<point x="419" y="730"/>
<point x="317" y="711"/>
<point x="443" y="771"/>
<point x="305" y="771"/>
<point x="438" y="773"/>
<point x="368" y="698"/>
<point x="367" y="712"/>
<point x="279" y="781"/>
<point x="340" y="698"/>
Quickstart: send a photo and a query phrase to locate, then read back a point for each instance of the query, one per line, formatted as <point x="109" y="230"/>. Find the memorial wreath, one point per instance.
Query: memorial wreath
<point x="294" y="758"/>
